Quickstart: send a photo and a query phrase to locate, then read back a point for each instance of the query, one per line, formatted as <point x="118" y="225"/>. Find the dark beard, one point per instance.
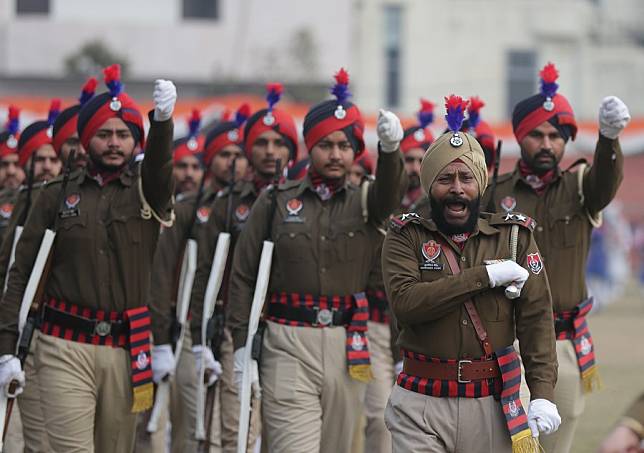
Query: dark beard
<point x="441" y="223"/>
<point x="102" y="168"/>
<point x="414" y="181"/>
<point x="537" y="167"/>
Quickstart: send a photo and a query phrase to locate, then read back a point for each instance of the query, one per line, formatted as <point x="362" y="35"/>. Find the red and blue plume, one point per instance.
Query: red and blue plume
<point x="341" y="88"/>
<point x="549" y="76"/>
<point x="273" y="94"/>
<point x="194" y="122"/>
<point x="88" y="91"/>
<point x="242" y="114"/>
<point x="112" y="77"/>
<point x="426" y="113"/>
<point x="455" y="106"/>
<point x="13" y="122"/>
<point x="474" y="111"/>
<point x="54" y="111"/>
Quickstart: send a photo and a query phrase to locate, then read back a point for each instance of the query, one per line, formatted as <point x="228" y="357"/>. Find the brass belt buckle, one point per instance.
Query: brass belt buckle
<point x="102" y="328"/>
<point x="323" y="317"/>
<point x="459" y="370"/>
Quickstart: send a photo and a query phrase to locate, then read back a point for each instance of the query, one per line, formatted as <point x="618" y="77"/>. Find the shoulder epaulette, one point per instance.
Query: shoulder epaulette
<point x="575" y="163"/>
<point x="513" y="218"/>
<point x="223" y="192"/>
<point x="399" y="222"/>
<point x="504" y="177"/>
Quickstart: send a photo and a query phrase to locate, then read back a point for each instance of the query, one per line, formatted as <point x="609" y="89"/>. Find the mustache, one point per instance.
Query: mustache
<point x="544" y="153"/>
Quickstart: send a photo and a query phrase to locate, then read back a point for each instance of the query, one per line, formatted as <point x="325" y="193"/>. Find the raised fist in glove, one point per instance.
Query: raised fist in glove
<point x="163" y="363"/>
<point x="390" y="131"/>
<point x="543" y="417"/>
<point x="203" y="355"/>
<point x="11" y="370"/>
<point x="164" y="96"/>
<point x="506" y="273"/>
<point x="239" y="373"/>
<point x="613" y="117"/>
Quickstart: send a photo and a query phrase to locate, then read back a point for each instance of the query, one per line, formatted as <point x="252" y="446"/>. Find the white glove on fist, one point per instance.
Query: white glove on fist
<point x="390" y="131"/>
<point x="613" y="117"/>
<point x="163" y="363"/>
<point x="203" y="355"/>
<point x="506" y="273"/>
<point x="543" y="417"/>
<point x="238" y="369"/>
<point x="164" y="96"/>
<point x="10" y="370"/>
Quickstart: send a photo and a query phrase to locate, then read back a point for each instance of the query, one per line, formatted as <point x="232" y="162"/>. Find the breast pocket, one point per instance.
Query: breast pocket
<point x="293" y="243"/>
<point x="494" y="306"/>
<point x="565" y="226"/>
<point x="350" y="241"/>
<point x="124" y="224"/>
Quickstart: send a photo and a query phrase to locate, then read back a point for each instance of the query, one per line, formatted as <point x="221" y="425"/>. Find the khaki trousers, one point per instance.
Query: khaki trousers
<point x="377" y="437"/>
<point x="421" y="423"/>
<point x="227" y="422"/>
<point x="31" y="414"/>
<point x="180" y="411"/>
<point x="309" y="403"/>
<point x="86" y="396"/>
<point x="569" y="398"/>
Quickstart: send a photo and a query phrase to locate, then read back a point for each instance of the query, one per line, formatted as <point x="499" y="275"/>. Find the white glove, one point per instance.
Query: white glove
<point x="390" y="131"/>
<point x="506" y="273"/>
<point x="543" y="417"/>
<point x="10" y="370"/>
<point x="164" y="96"/>
<point x="163" y="363"/>
<point x="238" y="369"/>
<point x="613" y="117"/>
<point x="398" y="367"/>
<point x="213" y="368"/>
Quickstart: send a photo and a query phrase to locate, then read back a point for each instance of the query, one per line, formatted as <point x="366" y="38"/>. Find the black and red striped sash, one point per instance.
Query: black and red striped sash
<point x="378" y="306"/>
<point x="357" y="346"/>
<point x="583" y="343"/>
<point x="135" y="338"/>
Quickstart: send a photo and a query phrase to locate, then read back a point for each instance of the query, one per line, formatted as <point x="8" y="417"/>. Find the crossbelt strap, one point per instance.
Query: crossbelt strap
<point x="481" y="333"/>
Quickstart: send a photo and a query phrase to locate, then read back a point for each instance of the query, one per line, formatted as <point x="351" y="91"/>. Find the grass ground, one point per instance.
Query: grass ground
<point x="618" y="332"/>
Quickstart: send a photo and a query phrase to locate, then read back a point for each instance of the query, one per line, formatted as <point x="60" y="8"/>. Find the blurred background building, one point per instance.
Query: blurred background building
<point x="222" y="52"/>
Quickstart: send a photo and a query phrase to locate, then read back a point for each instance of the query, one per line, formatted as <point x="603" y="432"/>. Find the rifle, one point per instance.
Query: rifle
<point x="212" y="323"/>
<point x="497" y="163"/>
<point x="256" y="326"/>
<point x="183" y="289"/>
<point x="29" y="307"/>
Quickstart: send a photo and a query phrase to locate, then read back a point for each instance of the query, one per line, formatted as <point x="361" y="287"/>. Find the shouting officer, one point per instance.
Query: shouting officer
<point x="93" y="353"/>
<point x="445" y="278"/>
<point x="566" y="206"/>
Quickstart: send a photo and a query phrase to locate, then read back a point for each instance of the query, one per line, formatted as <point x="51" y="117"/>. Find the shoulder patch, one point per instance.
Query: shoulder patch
<point x="513" y="218"/>
<point x="398" y="222"/>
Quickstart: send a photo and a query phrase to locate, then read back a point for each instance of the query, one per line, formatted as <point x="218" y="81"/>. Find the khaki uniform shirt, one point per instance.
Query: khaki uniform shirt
<point x="240" y="200"/>
<point x="103" y="251"/>
<point x="321" y="248"/>
<point x="168" y="258"/>
<point x="428" y="304"/>
<point x="563" y="227"/>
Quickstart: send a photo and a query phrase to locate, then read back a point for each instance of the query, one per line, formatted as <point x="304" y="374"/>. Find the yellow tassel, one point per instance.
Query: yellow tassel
<point x="361" y="373"/>
<point x="523" y="442"/>
<point x="142" y="398"/>
<point x="591" y="380"/>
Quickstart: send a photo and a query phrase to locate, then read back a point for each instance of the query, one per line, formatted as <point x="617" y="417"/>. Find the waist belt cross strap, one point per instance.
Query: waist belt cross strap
<point x="583" y="342"/>
<point x="352" y="312"/>
<point x="508" y="360"/>
<point x="129" y="329"/>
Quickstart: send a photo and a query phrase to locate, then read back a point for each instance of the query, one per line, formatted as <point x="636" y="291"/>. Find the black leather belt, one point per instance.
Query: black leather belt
<point x="85" y="325"/>
<point x="314" y="316"/>
<point x="564" y="325"/>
